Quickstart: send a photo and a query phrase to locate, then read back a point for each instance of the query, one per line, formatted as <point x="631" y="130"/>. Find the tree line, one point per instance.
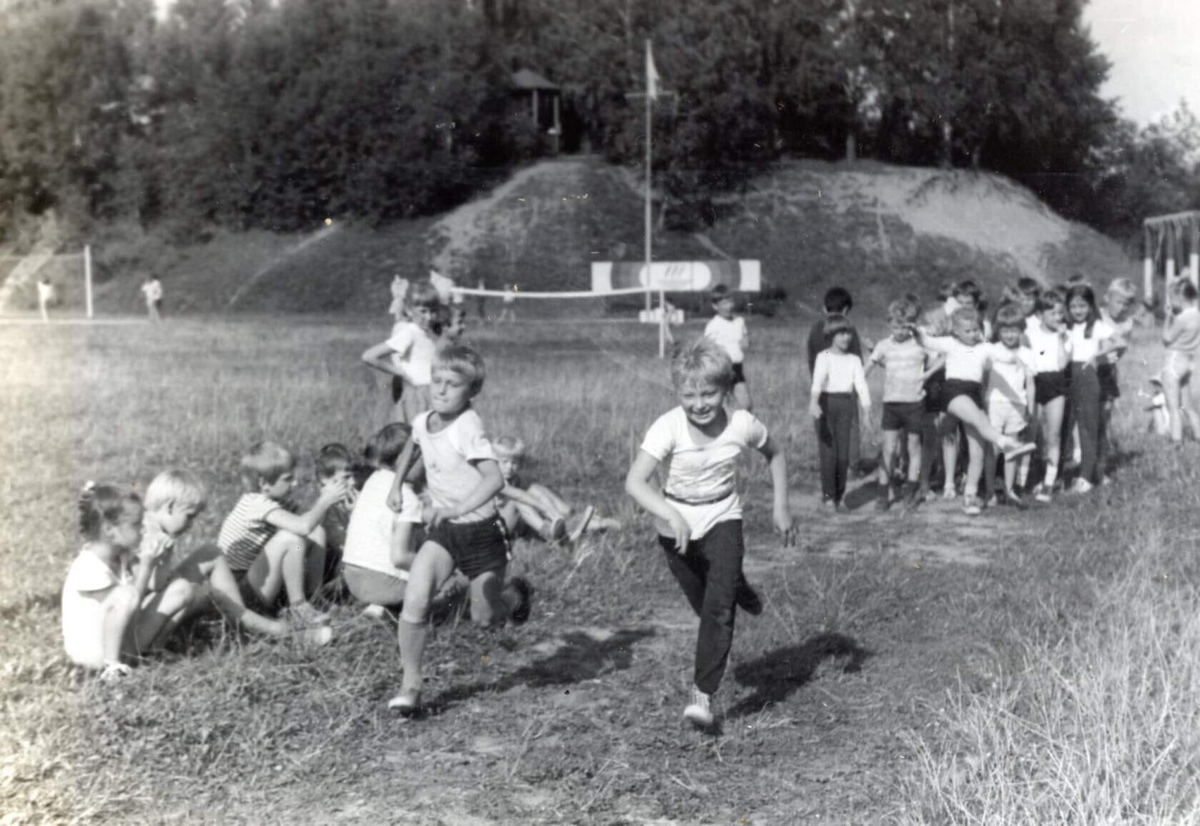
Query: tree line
<point x="280" y="113"/>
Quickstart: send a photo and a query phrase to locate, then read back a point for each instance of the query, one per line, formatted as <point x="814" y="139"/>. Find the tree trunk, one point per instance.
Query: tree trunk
<point x="851" y="147"/>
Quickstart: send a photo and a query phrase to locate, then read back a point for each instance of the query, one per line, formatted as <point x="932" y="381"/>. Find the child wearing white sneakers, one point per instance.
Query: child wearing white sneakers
<point x="1010" y="402"/>
<point x="698" y="512"/>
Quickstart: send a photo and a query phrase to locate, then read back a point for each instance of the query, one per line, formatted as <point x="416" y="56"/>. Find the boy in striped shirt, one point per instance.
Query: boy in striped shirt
<point x="268" y="547"/>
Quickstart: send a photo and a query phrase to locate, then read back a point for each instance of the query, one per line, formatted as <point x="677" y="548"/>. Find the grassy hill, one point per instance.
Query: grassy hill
<point x="878" y="230"/>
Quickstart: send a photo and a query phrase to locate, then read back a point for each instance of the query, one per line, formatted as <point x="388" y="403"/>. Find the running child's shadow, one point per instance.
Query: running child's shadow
<point x="579" y="656"/>
<point x="779" y="673"/>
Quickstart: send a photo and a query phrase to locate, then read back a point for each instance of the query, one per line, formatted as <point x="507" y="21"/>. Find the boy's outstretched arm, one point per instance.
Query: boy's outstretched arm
<point x="302" y="524"/>
<point x="380" y="358"/>
<point x="637" y="485"/>
<point x="491" y="483"/>
<point x="782" y="513"/>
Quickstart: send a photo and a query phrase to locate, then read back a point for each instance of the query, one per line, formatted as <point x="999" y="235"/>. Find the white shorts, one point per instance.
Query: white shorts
<point x="1005" y="416"/>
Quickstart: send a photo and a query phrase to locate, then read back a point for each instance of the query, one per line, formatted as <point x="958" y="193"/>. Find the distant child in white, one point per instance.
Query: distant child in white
<point x="698" y="512"/>
<point x="729" y="331"/>
<point x="407" y="355"/>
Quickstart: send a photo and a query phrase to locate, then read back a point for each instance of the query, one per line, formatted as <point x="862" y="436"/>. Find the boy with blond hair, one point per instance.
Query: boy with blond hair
<point x="698" y="511"/>
<point x="173" y="500"/>
<point x="268" y="547"/>
<point x="407" y="355"/>
<point x="464" y="528"/>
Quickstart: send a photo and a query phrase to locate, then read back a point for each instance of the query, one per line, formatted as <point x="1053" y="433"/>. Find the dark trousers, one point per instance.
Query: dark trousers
<point x="1085" y="410"/>
<point x="834" y="430"/>
<point x="710" y="574"/>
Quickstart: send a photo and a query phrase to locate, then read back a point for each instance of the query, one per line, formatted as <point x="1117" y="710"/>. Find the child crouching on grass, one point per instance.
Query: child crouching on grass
<point x="535" y="506"/>
<point x="108" y="612"/>
<point x="270" y="549"/>
<point x="464" y="528"/>
<point x="173" y="499"/>
<point x="698" y="513"/>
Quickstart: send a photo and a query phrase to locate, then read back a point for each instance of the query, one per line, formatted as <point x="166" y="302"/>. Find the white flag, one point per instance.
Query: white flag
<point x="651" y="75"/>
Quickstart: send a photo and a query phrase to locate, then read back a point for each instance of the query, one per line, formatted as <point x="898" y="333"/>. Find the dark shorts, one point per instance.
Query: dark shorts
<point x="397" y="388"/>
<point x="953" y="388"/>
<point x="1109" y="388"/>
<point x="1049" y="386"/>
<point x="906" y="416"/>
<point x="476" y="547"/>
<point x="253" y="601"/>
<point x="933" y="392"/>
<point x="739" y="377"/>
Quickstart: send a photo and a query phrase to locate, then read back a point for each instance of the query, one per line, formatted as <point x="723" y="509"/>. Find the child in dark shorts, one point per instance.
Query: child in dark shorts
<point x="464" y="528"/>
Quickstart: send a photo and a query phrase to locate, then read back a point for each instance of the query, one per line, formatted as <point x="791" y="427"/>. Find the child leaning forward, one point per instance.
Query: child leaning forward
<point x="698" y="513"/>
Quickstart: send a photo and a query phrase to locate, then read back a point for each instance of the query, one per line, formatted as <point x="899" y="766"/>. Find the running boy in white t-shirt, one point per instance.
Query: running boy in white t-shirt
<point x="464" y="527"/>
<point x="407" y="355"/>
<point x="698" y="511"/>
<point x="729" y="331"/>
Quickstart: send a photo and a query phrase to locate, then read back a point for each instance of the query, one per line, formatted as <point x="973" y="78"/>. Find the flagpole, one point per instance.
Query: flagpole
<point x="649" y="157"/>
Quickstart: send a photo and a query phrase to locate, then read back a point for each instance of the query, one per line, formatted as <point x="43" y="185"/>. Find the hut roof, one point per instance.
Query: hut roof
<point x="529" y="79"/>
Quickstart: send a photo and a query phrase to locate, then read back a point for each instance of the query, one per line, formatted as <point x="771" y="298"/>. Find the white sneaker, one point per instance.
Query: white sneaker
<point x="699" y="711"/>
<point x="1082" y="486"/>
<point x="374" y="611"/>
<point x="1041" y="493"/>
<point x="948" y="493"/>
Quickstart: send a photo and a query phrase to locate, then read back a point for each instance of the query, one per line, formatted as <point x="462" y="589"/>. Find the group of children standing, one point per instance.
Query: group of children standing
<point x="1041" y="371"/>
<point x="440" y="496"/>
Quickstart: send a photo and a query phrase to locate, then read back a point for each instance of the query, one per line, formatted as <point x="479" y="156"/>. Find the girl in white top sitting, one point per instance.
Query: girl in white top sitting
<point x="1091" y="339"/>
<point x="967" y="359"/>
<point x="837" y="375"/>
<point x="1181" y="337"/>
<point x="698" y="511"/>
<point x="1051" y="349"/>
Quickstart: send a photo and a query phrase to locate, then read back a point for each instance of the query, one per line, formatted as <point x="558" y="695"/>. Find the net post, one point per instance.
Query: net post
<point x="87" y="277"/>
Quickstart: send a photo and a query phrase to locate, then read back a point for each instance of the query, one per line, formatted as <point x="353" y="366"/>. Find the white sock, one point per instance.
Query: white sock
<point x="1051" y="476"/>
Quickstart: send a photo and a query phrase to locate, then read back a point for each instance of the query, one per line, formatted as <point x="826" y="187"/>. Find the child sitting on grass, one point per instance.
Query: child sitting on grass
<point x="408" y="353"/>
<point x="698" y="512"/>
<point x="335" y="462"/>
<point x="107" y="610"/>
<point x="173" y="499"/>
<point x="270" y="549"/>
<point x="464" y="528"/>
<point x="536" y="506"/>
<point x="379" y="542"/>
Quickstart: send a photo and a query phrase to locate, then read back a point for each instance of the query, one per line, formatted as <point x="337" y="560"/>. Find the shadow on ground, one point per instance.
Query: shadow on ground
<point x="574" y="657"/>
<point x="778" y="674"/>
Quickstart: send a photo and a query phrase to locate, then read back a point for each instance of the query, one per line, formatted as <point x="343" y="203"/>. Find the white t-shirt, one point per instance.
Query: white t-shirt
<point x="369" y="534"/>
<point x="45" y="291"/>
<point x="1085" y="349"/>
<point x="1006" y="381"/>
<point x="836" y="372"/>
<point x="967" y="362"/>
<point x="153" y="290"/>
<point x="703" y="475"/>
<point x="414" y="352"/>
<point x="89" y="582"/>
<point x="448" y="456"/>
<point x="729" y="333"/>
<point x="1051" y="349"/>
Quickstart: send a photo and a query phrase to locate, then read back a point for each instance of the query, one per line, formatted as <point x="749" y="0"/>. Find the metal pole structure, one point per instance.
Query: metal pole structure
<point x="87" y="276"/>
<point x="648" y="210"/>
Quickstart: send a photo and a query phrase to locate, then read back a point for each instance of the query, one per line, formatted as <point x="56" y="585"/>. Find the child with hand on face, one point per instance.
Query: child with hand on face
<point x="698" y="512"/>
<point x="109" y="613"/>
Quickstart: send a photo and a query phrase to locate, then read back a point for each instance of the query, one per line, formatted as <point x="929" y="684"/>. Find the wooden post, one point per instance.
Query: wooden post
<point x="535" y="107"/>
<point x="87" y="277"/>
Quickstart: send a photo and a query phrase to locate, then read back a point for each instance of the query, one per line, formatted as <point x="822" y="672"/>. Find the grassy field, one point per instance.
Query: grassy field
<point x="934" y="668"/>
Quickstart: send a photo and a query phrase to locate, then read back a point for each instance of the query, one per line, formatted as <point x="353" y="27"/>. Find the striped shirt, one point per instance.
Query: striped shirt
<point x="245" y="531"/>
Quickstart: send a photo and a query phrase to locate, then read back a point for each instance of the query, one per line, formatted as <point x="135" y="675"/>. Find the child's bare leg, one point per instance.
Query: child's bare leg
<point x="1172" y="390"/>
<point x="1052" y="420"/>
<point x="430" y="570"/>
<point x="1187" y="404"/>
<point x="989" y="471"/>
<point x="741" y="394"/>
<point x="916" y="458"/>
<point x="120" y="607"/>
<point x="159" y="616"/>
<point x="965" y="410"/>
<point x="553" y="502"/>
<point x="314" y="563"/>
<point x="283" y="564"/>
<point x="891" y="444"/>
<point x="974" y="461"/>
<point x="532" y="517"/>
<point x="930" y="436"/>
<point x="208" y="563"/>
<point x="488" y="608"/>
<point x="948" y="431"/>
